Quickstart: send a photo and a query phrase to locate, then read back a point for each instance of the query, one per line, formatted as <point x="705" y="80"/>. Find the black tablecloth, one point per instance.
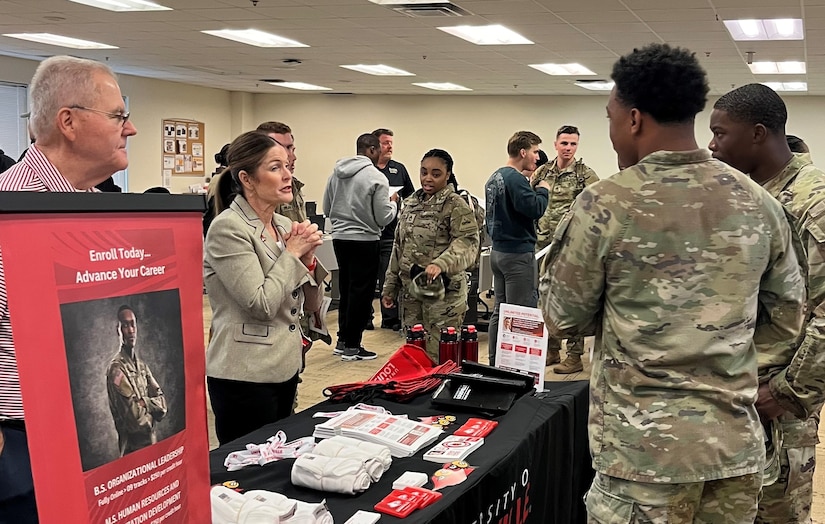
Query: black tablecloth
<point x="533" y="468"/>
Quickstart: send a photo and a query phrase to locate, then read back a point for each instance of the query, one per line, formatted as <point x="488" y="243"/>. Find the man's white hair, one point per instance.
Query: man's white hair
<point x="61" y="81"/>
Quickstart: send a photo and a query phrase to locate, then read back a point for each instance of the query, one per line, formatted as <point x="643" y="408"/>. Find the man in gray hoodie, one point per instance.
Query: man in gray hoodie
<point x="357" y="201"/>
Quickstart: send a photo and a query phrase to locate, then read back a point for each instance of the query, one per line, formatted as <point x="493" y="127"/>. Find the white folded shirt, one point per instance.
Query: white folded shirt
<point x="333" y="448"/>
<point x="265" y="507"/>
<point x="226" y="504"/>
<point x="330" y="474"/>
<point x="309" y="513"/>
<point x="375" y="450"/>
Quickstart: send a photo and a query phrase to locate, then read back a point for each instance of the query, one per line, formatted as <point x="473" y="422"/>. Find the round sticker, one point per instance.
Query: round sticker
<point x="231" y="484"/>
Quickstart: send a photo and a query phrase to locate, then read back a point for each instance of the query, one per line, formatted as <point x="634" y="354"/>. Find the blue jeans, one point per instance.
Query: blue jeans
<point x="515" y="281"/>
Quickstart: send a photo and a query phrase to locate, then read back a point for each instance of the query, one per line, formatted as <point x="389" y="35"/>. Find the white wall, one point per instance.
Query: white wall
<point x="474" y="129"/>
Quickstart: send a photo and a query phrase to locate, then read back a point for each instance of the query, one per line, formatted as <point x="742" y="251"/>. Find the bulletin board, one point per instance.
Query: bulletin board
<point x="182" y="148"/>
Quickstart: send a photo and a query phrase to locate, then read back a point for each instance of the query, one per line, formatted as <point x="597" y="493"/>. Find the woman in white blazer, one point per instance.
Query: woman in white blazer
<point x="260" y="270"/>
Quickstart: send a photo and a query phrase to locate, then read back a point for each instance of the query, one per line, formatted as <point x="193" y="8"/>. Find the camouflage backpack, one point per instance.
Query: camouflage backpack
<point x="478" y="212"/>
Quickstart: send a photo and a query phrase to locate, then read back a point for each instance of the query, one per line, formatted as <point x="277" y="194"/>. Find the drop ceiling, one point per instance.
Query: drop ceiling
<point x="169" y="45"/>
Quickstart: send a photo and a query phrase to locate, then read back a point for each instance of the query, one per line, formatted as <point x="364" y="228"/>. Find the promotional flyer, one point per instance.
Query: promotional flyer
<point x="107" y="322"/>
<point x="522" y="341"/>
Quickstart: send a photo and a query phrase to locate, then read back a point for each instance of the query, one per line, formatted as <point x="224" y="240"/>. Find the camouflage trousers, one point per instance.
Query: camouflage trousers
<point x="611" y="500"/>
<point x="788" y="501"/>
<point x="575" y="345"/>
<point x="434" y="316"/>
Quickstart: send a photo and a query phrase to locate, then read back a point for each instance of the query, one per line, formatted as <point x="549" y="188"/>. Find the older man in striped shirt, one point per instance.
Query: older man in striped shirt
<point x="81" y="126"/>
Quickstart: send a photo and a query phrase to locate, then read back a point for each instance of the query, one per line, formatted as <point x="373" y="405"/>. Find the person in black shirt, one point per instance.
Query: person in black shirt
<point x="5" y="161"/>
<point x="397" y="176"/>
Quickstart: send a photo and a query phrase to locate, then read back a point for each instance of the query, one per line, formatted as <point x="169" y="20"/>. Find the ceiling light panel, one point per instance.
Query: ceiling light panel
<point x="123" y="5"/>
<point x="59" y="40"/>
<point x="378" y="70"/>
<point x="787" y="86"/>
<point x="486" y="34"/>
<point x="255" y="37"/>
<point x="442" y="86"/>
<point x="300" y="86"/>
<point x="778" y="68"/>
<point x="601" y="85"/>
<point x="767" y="29"/>
<point x="563" y="69"/>
<point x="408" y="2"/>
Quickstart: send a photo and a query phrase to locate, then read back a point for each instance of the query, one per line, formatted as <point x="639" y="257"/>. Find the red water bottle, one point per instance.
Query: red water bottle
<point x="448" y="347"/>
<point x="417" y="336"/>
<point x="469" y="343"/>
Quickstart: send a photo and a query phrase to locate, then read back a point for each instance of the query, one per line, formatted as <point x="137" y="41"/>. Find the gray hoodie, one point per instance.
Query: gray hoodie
<point x="357" y="200"/>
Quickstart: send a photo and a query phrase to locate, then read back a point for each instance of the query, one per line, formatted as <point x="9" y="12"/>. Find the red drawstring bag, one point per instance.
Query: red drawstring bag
<point x="408" y="360"/>
<point x="408" y="373"/>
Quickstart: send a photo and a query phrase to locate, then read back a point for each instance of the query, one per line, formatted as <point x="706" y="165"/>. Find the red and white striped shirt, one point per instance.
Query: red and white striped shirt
<point x="33" y="173"/>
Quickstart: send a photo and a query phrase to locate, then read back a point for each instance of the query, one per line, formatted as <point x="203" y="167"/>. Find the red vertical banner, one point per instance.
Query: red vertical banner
<point x="106" y="312"/>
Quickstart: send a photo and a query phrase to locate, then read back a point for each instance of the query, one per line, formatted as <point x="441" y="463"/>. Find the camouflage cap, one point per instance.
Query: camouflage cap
<point x="421" y="288"/>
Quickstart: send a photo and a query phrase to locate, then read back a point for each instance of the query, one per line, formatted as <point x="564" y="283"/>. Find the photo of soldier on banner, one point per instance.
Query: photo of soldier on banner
<point x="125" y="360"/>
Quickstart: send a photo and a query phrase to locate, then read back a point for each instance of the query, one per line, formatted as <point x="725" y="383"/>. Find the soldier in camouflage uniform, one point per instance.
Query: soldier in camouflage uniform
<point x="748" y="126"/>
<point x="684" y="270"/>
<point x="437" y="232"/>
<point x="297" y="209"/>
<point x="567" y="178"/>
<point x="135" y="398"/>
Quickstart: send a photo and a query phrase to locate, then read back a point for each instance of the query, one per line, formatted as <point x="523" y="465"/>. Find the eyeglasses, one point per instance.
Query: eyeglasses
<point x="121" y="117"/>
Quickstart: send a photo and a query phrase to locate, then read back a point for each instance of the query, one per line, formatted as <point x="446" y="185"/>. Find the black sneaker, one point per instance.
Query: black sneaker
<point x="339" y="347"/>
<point x="358" y="353"/>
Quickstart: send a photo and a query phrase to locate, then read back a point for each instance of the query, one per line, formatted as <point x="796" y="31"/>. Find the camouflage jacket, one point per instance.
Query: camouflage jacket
<point x="565" y="186"/>
<point x="800" y="388"/>
<point x="297" y="209"/>
<point x="677" y="265"/>
<point x="135" y="400"/>
<point x="440" y="230"/>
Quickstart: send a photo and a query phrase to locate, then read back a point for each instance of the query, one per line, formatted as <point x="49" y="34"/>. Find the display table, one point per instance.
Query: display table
<point x="533" y="468"/>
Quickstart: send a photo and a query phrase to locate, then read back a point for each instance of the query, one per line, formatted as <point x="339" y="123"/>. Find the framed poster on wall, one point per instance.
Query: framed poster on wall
<point x="182" y="147"/>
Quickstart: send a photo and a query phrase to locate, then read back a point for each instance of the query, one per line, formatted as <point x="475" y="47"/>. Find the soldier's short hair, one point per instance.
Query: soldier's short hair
<point x="796" y="144"/>
<point x="366" y="141"/>
<point x="278" y="128"/>
<point x="123" y="308"/>
<point x="567" y="130"/>
<point x="382" y="131"/>
<point x="665" y="82"/>
<point x="522" y="140"/>
<point x="755" y="104"/>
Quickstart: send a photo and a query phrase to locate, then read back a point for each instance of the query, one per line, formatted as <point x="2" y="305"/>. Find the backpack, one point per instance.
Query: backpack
<point x="478" y="212"/>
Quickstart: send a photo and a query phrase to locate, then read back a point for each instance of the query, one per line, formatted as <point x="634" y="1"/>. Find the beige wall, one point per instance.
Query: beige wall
<point x="474" y="129"/>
